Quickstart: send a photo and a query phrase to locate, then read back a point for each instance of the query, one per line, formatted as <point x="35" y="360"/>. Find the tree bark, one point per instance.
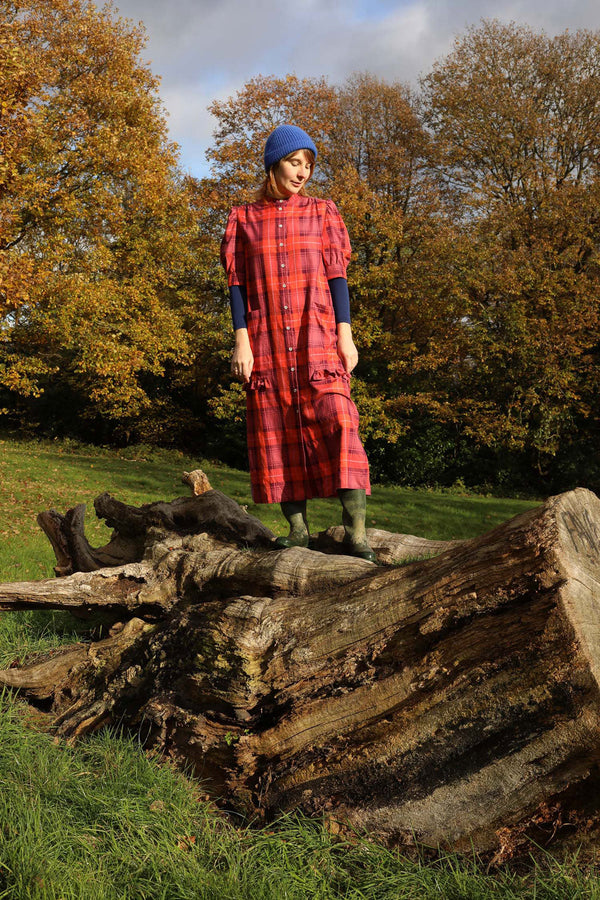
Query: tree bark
<point x="453" y="699"/>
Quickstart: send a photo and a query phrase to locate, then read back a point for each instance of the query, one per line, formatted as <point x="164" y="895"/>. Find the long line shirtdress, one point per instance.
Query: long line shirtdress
<point x="302" y="425"/>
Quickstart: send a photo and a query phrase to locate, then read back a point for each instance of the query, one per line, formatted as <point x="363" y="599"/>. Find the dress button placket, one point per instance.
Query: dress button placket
<point x="285" y="306"/>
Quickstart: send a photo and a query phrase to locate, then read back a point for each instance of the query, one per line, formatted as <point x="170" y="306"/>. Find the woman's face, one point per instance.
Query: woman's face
<point x="292" y="173"/>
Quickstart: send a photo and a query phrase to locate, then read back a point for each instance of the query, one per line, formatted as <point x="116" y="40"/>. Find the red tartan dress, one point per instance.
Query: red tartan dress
<point x="302" y="425"/>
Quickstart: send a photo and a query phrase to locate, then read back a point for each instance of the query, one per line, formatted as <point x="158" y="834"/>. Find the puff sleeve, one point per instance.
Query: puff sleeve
<point x="336" y="243"/>
<point x="232" y="250"/>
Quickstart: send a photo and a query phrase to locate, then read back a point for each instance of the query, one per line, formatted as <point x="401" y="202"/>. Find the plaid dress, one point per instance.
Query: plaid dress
<point x="302" y="425"/>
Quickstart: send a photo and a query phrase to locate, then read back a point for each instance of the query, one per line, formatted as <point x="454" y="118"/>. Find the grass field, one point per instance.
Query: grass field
<point x="104" y="819"/>
<point x="39" y="475"/>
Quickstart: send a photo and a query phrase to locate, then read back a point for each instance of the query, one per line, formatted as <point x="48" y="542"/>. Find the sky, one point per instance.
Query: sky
<point x="206" y="50"/>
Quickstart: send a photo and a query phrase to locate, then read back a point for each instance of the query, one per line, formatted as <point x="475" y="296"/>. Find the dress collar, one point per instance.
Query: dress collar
<point x="287" y="201"/>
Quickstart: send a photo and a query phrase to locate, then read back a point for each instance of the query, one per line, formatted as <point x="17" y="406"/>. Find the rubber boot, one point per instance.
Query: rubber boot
<point x="354" y="511"/>
<point x="295" y="513"/>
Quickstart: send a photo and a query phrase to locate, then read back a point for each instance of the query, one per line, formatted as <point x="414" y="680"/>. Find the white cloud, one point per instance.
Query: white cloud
<point x="207" y="49"/>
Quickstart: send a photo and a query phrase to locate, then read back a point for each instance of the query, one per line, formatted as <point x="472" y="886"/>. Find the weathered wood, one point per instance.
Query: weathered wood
<point x="186" y="515"/>
<point x="454" y="699"/>
<point x="181" y="571"/>
<point x="390" y="548"/>
<point x="197" y="481"/>
<point x="113" y="591"/>
<point x="133" y="526"/>
<point x="73" y="551"/>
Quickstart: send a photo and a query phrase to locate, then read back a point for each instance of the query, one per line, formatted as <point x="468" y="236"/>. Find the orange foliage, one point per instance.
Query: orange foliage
<point x="93" y="217"/>
<point x="472" y="210"/>
<point x="516" y="117"/>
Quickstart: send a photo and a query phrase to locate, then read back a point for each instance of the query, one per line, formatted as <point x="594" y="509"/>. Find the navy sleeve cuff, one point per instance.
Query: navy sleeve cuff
<point x="340" y="297"/>
<point x="239" y="304"/>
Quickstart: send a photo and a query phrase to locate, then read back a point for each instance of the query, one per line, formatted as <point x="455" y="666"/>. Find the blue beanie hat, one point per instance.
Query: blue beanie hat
<point x="285" y="139"/>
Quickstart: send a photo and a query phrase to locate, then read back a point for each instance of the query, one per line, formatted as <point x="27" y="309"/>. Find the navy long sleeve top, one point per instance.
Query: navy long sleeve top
<point x="338" y="288"/>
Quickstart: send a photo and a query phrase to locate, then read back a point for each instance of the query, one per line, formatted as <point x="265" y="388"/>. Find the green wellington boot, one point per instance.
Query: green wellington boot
<point x="354" y="511"/>
<point x="295" y="513"/>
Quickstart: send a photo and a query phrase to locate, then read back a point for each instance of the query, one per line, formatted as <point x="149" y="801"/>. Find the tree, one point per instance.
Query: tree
<point x="515" y="117"/>
<point x="472" y="211"/>
<point x="245" y="120"/>
<point x="95" y="222"/>
<point x="516" y="113"/>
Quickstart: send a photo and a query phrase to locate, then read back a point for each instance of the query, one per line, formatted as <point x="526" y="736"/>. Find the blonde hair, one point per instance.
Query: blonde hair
<point x="268" y="189"/>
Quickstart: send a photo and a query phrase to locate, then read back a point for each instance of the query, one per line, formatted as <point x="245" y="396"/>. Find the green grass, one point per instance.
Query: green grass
<point x="103" y="819"/>
<point x="35" y="476"/>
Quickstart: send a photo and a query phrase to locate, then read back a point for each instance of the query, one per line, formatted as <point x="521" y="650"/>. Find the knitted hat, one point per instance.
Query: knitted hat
<point x="285" y="139"/>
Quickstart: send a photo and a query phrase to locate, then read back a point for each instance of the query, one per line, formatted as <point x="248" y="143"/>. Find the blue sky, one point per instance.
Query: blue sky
<point x="207" y="49"/>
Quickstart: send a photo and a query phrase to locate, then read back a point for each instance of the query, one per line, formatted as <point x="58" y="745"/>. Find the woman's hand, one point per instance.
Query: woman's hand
<point x="346" y="349"/>
<point x="242" y="360"/>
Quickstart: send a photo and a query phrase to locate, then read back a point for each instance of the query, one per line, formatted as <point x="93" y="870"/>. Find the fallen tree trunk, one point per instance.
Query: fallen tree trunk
<point x="453" y="700"/>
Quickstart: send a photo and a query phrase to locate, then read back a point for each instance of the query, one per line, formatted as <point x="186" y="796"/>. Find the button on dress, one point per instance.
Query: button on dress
<point x="302" y="425"/>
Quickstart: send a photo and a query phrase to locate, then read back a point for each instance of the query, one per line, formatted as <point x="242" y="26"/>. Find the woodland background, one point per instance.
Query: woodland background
<point x="473" y="206"/>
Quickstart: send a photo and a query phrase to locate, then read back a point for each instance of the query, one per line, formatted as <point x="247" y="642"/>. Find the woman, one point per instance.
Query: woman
<point x="286" y="256"/>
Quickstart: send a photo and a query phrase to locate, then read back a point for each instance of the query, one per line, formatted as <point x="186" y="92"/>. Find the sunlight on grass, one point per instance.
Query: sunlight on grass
<point x="104" y="820"/>
<point x="41" y="475"/>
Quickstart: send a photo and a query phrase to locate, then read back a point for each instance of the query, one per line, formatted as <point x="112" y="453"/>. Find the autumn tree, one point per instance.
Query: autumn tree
<point x="95" y="222"/>
<point x="472" y="211"/>
<point x="516" y="116"/>
<point x="245" y="120"/>
<point x="407" y="300"/>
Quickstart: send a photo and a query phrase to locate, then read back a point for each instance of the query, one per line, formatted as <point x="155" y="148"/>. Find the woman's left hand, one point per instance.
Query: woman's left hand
<point x="346" y="349"/>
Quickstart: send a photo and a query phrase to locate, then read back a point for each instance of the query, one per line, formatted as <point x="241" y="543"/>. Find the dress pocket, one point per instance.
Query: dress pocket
<point x="257" y="383"/>
<point x="322" y="373"/>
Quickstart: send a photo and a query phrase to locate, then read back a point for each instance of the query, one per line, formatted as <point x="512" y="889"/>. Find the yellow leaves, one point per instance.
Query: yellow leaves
<point x="21" y="375"/>
<point x="474" y="279"/>
<point x="186" y="842"/>
<point x="92" y="219"/>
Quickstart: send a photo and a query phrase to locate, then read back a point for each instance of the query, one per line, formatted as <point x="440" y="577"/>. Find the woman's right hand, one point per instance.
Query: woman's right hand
<point x="242" y="360"/>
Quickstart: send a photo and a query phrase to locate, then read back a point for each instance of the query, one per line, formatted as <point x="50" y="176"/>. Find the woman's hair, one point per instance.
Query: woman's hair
<point x="268" y="188"/>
